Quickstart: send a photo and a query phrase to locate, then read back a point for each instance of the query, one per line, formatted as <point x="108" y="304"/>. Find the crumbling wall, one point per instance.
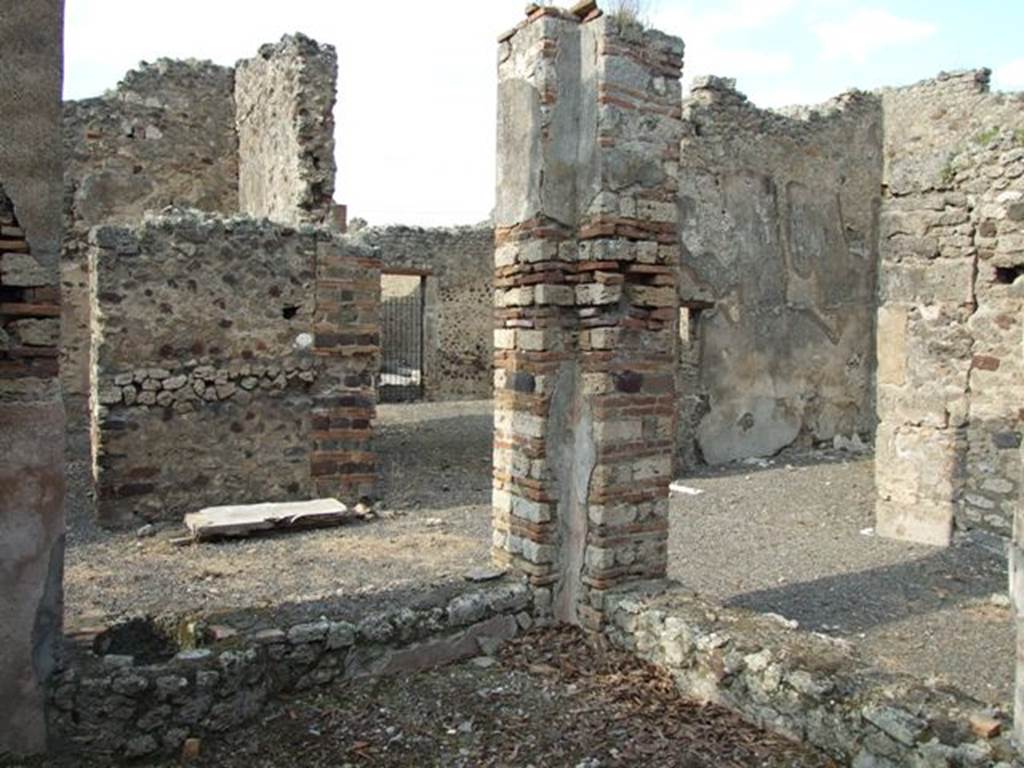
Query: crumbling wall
<point x="31" y="414"/>
<point x="777" y="274"/>
<point x="285" y="96"/>
<point x="458" y="264"/>
<point x="233" y="362"/>
<point x="952" y="249"/>
<point x="586" y="307"/>
<point x="164" y="136"/>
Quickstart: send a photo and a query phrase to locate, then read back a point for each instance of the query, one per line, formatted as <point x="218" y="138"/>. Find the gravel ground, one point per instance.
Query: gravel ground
<point x="791" y="538"/>
<point x="548" y="699"/>
<point x="784" y="537"/>
<point x="434" y="525"/>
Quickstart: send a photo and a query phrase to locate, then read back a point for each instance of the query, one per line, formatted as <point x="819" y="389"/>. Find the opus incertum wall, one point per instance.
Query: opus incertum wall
<point x="233" y="362"/>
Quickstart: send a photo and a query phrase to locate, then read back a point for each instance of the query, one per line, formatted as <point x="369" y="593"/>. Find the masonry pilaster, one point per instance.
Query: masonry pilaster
<point x="586" y="306"/>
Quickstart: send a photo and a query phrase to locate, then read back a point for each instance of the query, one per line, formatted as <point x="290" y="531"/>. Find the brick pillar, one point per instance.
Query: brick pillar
<point x="347" y="341"/>
<point x="586" y="306"/>
<point x="31" y="412"/>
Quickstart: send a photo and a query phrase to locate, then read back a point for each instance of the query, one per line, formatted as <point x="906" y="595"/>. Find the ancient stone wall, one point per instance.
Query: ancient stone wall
<point x="284" y="115"/>
<point x="952" y="250"/>
<point x="586" y="306"/>
<point x="807" y="686"/>
<point x="119" y="704"/>
<point x="164" y="136"/>
<point x="233" y="362"/>
<point x="777" y="275"/>
<point x="31" y="414"/>
<point x="458" y="265"/>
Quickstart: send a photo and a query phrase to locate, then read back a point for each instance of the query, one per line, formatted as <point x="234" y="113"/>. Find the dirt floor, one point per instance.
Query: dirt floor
<point x="794" y="536"/>
<point x="784" y="536"/>
<point x="548" y="699"/>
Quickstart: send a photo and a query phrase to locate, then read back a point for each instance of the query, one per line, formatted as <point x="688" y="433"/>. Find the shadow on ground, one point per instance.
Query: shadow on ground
<point x="877" y="596"/>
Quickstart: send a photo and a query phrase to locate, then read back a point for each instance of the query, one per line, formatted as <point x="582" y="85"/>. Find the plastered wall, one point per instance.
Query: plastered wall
<point x="778" y="220"/>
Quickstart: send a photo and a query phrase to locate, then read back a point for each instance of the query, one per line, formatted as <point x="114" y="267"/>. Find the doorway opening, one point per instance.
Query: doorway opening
<point x="402" y="309"/>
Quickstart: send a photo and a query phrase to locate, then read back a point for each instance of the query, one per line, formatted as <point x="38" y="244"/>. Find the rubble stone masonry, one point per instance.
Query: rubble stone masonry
<point x="31" y="414"/>
<point x="284" y="99"/>
<point x="585" y="303"/>
<point x="949" y="356"/>
<point x="164" y="136"/>
<point x="233" y="363"/>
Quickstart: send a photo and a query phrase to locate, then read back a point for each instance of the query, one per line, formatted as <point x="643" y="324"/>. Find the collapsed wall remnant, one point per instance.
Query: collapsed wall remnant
<point x="164" y="136"/>
<point x="777" y="273"/>
<point x="284" y="101"/>
<point x="233" y="363"/>
<point x="31" y="414"/>
<point x="456" y="264"/>
<point x="236" y="663"/>
<point x="586" y="247"/>
<point x="949" y="357"/>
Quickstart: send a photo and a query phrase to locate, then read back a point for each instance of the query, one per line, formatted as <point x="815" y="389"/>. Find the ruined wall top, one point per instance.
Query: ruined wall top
<point x="164" y="136"/>
<point x="733" y="113"/>
<point x="284" y="101"/>
<point x="170" y="83"/>
<point x="929" y="122"/>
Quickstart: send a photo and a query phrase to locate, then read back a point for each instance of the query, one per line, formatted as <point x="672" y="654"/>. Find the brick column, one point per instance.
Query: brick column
<point x="347" y="341"/>
<point x="586" y="306"/>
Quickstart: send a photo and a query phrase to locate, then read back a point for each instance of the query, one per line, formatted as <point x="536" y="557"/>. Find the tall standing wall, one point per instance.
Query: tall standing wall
<point x="586" y="248"/>
<point x="949" y="359"/>
<point x="284" y="102"/>
<point x="31" y="413"/>
<point x="777" y="277"/>
<point x="233" y="363"/>
<point x="164" y="136"/>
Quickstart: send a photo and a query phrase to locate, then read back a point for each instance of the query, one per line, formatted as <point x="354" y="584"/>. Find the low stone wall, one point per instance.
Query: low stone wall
<point x="233" y="362"/>
<point x="112" y="705"/>
<point x="806" y="686"/>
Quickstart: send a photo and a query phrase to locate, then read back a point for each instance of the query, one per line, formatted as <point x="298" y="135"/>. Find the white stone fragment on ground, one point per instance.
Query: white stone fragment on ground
<point x="484" y="574"/>
<point x="243" y="519"/>
<point x="686" y="490"/>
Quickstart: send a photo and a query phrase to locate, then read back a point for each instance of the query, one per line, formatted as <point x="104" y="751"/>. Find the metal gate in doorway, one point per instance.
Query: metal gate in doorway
<point x="401" y="372"/>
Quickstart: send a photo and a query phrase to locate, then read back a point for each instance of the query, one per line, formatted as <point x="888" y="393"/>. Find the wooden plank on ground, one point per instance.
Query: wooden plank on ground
<point x="245" y="519"/>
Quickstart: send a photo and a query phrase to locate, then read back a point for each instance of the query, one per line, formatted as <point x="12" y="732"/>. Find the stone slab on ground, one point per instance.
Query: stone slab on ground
<point x="246" y="519"/>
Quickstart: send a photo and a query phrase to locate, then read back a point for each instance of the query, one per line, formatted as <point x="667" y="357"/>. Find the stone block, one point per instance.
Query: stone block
<point x="21" y="270"/>
<point x="892" y="345"/>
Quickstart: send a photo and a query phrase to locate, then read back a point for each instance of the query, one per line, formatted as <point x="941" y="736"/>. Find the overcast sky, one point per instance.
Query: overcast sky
<point x="416" y="81"/>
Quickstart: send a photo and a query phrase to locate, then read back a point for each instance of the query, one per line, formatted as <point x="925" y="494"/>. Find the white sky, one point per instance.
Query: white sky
<point x="416" y="80"/>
